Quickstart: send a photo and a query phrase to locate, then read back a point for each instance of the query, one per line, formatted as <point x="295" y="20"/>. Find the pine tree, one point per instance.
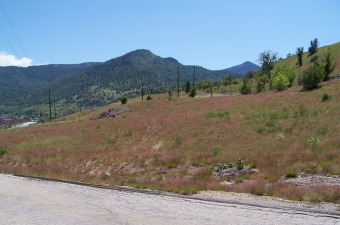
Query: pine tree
<point x="329" y="64"/>
<point x="313" y="47"/>
<point x="299" y="53"/>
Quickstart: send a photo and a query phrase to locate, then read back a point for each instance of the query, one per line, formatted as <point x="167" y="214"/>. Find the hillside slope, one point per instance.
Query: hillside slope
<point x="292" y="60"/>
<point x="244" y="143"/>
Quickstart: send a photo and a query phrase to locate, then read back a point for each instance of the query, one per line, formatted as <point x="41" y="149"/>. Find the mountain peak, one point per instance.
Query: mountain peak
<point x="243" y="68"/>
<point x="140" y="53"/>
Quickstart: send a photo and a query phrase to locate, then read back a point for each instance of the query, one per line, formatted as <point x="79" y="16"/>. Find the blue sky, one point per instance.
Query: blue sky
<point x="215" y="34"/>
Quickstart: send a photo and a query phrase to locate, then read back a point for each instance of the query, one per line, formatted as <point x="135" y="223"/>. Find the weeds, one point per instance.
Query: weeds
<point x="313" y="141"/>
<point x="325" y="97"/>
<point x="111" y="140"/>
<point x="128" y="133"/>
<point x="238" y="164"/>
<point x="218" y="115"/>
<point x="3" y="150"/>
<point x="216" y="151"/>
<point x="291" y="174"/>
<point x="149" y="98"/>
<point x="280" y="137"/>
<point x="302" y="111"/>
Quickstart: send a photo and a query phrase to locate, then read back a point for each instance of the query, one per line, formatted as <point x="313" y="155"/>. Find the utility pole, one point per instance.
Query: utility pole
<point x="142" y="91"/>
<point x="49" y="102"/>
<point x="193" y="79"/>
<point x="178" y="81"/>
<point x="55" y="111"/>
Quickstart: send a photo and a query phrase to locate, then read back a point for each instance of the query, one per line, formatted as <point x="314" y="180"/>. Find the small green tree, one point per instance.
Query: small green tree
<point x="329" y="64"/>
<point x="261" y="80"/>
<point x="313" y="48"/>
<point x="124" y="100"/>
<point x="280" y="82"/>
<point x="289" y="72"/>
<point x="246" y="87"/>
<point x="187" y="87"/>
<point x="267" y="60"/>
<point x="149" y="98"/>
<point x="193" y="93"/>
<point x="299" y="53"/>
<point x="313" y="76"/>
<point x="236" y="81"/>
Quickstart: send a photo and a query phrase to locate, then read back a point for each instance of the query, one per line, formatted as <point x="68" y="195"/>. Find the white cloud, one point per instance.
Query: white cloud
<point x="11" y="60"/>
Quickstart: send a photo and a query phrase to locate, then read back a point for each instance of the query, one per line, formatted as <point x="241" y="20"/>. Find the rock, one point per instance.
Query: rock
<point x="226" y="183"/>
<point x="230" y="171"/>
<point x="92" y="173"/>
<point x="110" y="113"/>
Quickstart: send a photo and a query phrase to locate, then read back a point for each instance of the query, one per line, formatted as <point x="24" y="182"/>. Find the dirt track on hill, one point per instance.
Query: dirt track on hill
<point x="33" y="201"/>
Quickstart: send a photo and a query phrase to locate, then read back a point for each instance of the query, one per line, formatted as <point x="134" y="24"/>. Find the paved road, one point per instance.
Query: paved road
<point x="30" y="201"/>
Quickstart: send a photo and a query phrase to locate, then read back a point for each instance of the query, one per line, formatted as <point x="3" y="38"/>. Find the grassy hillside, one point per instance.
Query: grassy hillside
<point x="176" y="145"/>
<point x="292" y="60"/>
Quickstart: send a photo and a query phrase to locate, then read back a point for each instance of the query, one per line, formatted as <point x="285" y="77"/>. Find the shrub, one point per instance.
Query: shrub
<point x="312" y="77"/>
<point x="240" y="164"/>
<point x="280" y="82"/>
<point x="326" y="97"/>
<point x="193" y="93"/>
<point x="313" y="141"/>
<point x="236" y="81"/>
<point x="218" y="115"/>
<point x="149" y="98"/>
<point x="291" y="174"/>
<point x="216" y="151"/>
<point x="288" y="72"/>
<point x="111" y="140"/>
<point x="3" y="150"/>
<point x="123" y="100"/>
<point x="246" y="88"/>
<point x="302" y="111"/>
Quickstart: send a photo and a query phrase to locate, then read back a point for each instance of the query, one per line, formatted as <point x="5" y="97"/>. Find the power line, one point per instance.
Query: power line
<point x="16" y="35"/>
<point x="10" y="44"/>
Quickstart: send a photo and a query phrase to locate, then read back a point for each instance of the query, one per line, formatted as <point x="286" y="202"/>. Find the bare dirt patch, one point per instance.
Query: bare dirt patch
<point x="313" y="180"/>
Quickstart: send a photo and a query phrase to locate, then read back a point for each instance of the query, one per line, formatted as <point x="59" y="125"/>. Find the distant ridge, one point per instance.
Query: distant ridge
<point x="243" y="68"/>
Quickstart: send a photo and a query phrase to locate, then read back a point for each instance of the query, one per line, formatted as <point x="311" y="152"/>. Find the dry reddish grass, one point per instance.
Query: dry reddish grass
<point x="156" y="143"/>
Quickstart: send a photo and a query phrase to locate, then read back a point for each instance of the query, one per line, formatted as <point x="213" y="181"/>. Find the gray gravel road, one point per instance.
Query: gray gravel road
<point x="31" y="201"/>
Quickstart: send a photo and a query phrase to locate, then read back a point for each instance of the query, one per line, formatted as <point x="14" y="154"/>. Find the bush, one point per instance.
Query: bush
<point x="313" y="76"/>
<point x="3" y="150"/>
<point x="288" y="72"/>
<point x="193" y="93"/>
<point x="246" y="88"/>
<point x="123" y="100"/>
<point x="280" y="82"/>
<point x="236" y="81"/>
<point x="326" y="97"/>
<point x="149" y="98"/>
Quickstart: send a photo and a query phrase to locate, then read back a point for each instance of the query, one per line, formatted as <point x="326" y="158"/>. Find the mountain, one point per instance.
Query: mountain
<point x="22" y="79"/>
<point x="243" y="68"/>
<point x="107" y="82"/>
<point x="94" y="84"/>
